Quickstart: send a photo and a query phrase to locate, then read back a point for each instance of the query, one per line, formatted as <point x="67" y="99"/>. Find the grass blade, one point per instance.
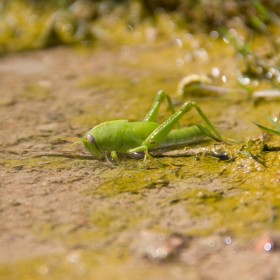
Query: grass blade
<point x="268" y="130"/>
<point x="277" y="126"/>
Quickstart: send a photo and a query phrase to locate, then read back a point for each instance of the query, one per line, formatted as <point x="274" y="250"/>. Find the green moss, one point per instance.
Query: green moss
<point x="219" y="197"/>
<point x="243" y="214"/>
<point x="236" y="206"/>
<point x="133" y="181"/>
<point x="230" y="200"/>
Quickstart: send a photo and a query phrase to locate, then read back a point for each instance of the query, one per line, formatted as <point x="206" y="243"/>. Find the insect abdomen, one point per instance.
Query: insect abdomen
<point x="186" y="135"/>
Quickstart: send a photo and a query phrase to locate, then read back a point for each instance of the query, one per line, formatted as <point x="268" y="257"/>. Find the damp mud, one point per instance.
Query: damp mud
<point x="205" y="211"/>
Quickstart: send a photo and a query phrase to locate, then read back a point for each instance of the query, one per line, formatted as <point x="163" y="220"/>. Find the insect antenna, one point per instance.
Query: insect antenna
<point x="76" y="140"/>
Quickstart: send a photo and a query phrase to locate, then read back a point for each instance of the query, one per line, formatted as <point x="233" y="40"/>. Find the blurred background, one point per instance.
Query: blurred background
<point x="31" y="24"/>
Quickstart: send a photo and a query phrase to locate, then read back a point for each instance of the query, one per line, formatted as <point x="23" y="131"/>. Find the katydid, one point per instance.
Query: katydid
<point x="124" y="137"/>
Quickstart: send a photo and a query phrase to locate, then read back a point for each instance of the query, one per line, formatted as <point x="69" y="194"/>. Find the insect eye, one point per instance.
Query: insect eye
<point x="91" y="139"/>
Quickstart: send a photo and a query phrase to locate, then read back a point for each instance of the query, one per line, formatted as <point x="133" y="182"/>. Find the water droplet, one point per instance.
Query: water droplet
<point x="267" y="246"/>
<point x="228" y="240"/>
<point x="244" y="80"/>
<point x="272" y="70"/>
<point x="215" y="72"/>
<point x="269" y="75"/>
<point x="224" y="78"/>
<point x="179" y="43"/>
<point x="201" y="54"/>
<point x="214" y="35"/>
<point x="226" y="40"/>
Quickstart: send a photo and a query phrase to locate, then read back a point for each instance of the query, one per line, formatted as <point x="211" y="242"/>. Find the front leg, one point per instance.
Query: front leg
<point x="111" y="157"/>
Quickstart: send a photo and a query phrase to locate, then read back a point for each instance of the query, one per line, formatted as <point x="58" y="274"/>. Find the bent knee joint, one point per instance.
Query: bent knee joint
<point x="161" y="95"/>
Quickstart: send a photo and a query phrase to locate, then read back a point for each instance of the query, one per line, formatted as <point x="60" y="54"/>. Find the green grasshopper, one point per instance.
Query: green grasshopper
<point x="123" y="137"/>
